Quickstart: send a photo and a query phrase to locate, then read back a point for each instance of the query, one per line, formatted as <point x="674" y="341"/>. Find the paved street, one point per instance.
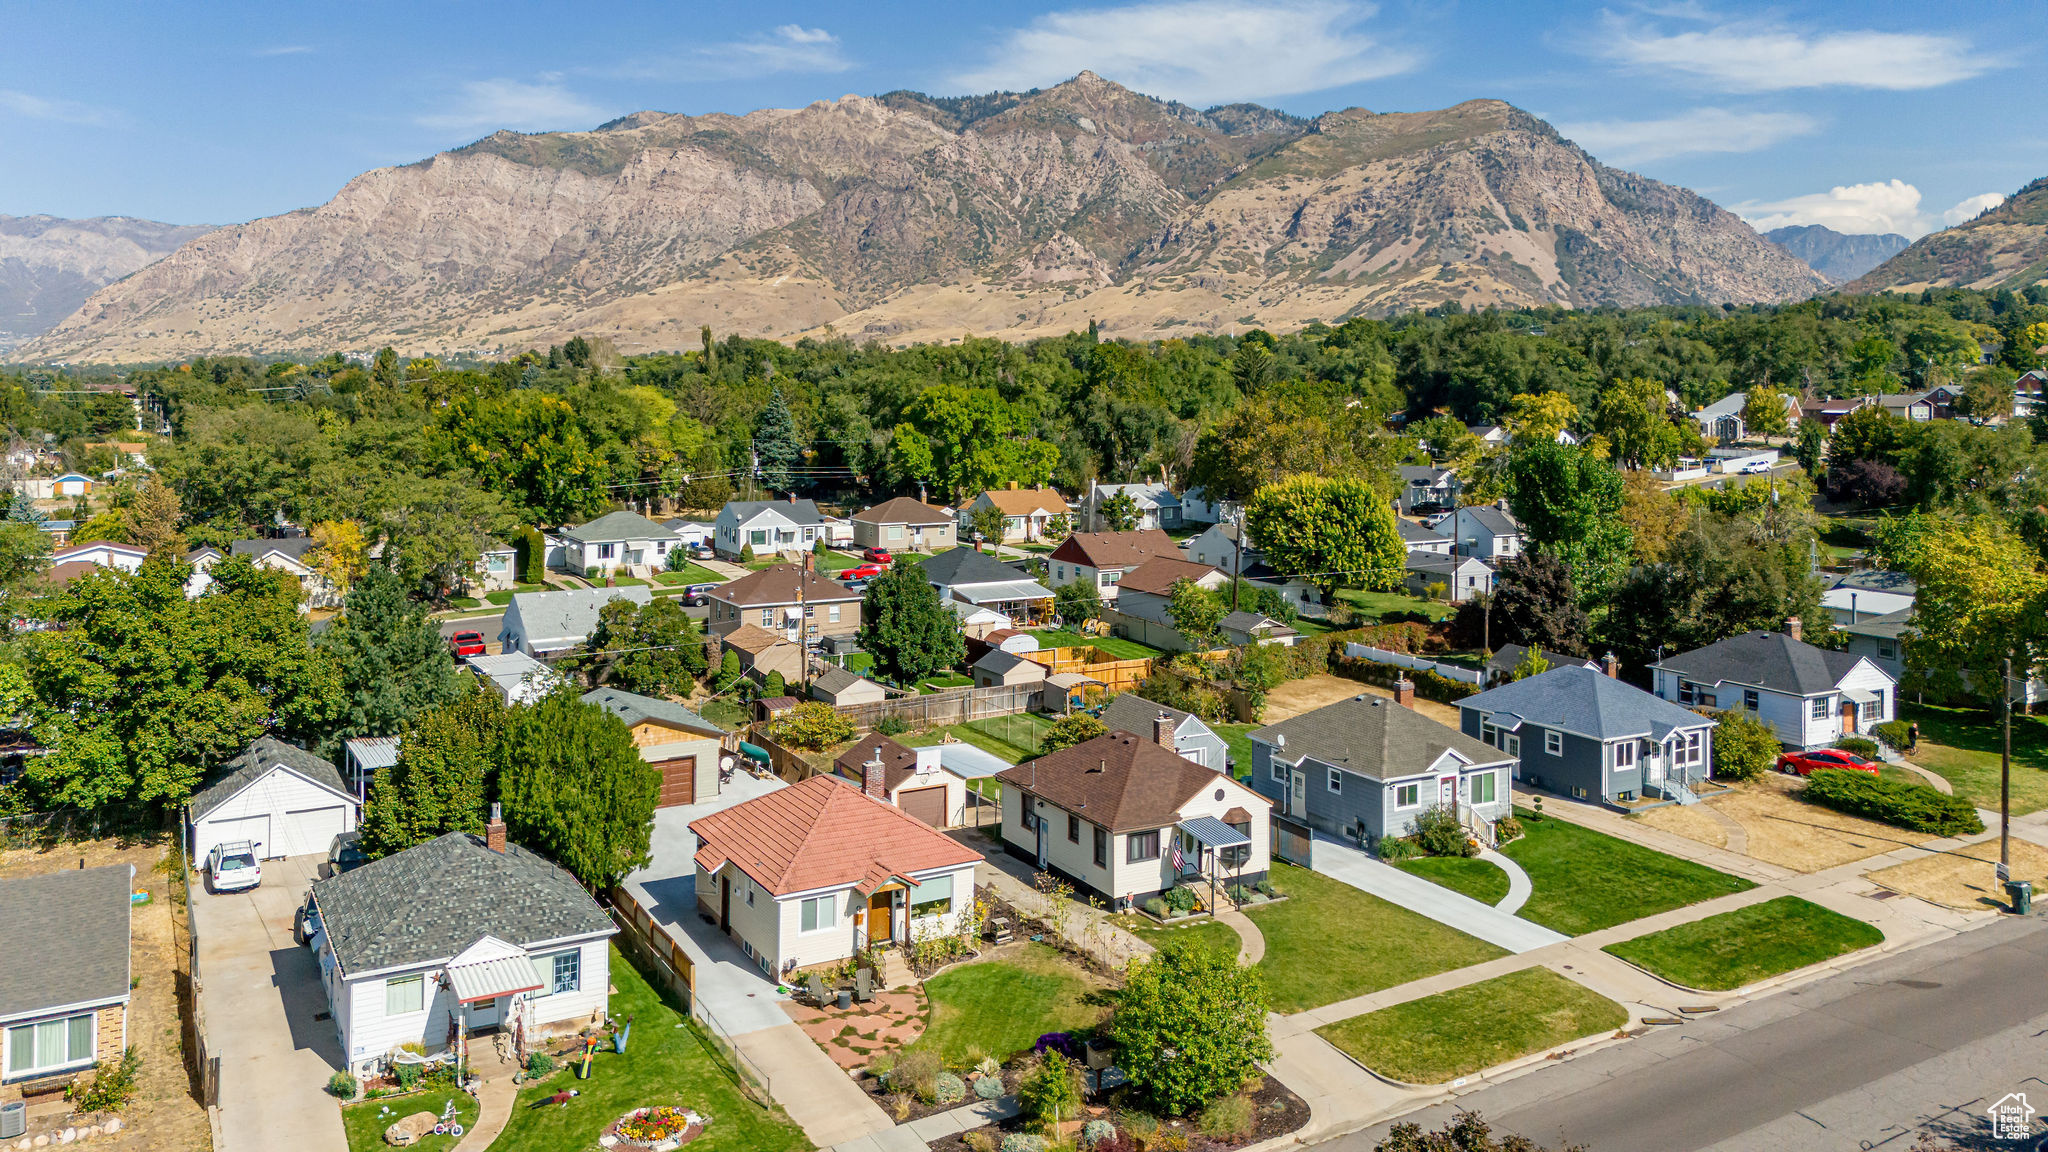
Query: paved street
<point x="1922" y="1041"/>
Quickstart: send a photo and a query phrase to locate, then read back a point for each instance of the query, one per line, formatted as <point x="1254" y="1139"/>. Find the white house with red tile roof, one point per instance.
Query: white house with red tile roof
<point x="816" y="872"/>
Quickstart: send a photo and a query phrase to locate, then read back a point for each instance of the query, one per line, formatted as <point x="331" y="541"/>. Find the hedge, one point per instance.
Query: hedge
<point x="1895" y="802"/>
<point x="1428" y="685"/>
<point x="1896" y="733"/>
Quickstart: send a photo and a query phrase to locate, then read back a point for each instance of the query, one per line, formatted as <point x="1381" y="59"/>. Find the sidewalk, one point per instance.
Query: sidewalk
<point x="916" y="1135"/>
<point x="1350" y="865"/>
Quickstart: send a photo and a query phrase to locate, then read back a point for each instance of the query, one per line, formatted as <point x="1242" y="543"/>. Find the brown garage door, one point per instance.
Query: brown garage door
<point x="927" y="804"/>
<point x="678" y="781"/>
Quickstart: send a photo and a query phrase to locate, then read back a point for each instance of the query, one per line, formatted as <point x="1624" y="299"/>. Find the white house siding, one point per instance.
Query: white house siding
<point x="829" y="946"/>
<point x="1792" y="716"/>
<point x="956" y="792"/>
<point x="295" y="813"/>
<point x="652" y="553"/>
<point x="1124" y="877"/>
<point x="368" y="1035"/>
<point x="757" y="924"/>
<point x="1217" y="550"/>
<point x="1074" y="859"/>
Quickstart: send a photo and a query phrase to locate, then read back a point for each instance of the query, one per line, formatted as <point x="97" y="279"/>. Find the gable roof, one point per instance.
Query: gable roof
<point x="898" y="762"/>
<point x="64" y="939"/>
<point x="1147" y="494"/>
<point x="1121" y="781"/>
<point x="1115" y="549"/>
<point x="1429" y="474"/>
<point x="1250" y="622"/>
<point x="754" y="638"/>
<point x="796" y="511"/>
<point x="1158" y="575"/>
<point x="1132" y="713"/>
<point x="1588" y="702"/>
<point x="615" y="526"/>
<point x="823" y="833"/>
<point x="1508" y="657"/>
<point x="1444" y="563"/>
<point x="263" y="754"/>
<point x="570" y="613"/>
<point x="1413" y="534"/>
<point x="1025" y="501"/>
<point x="967" y="566"/>
<point x="1491" y="519"/>
<point x="435" y="899"/>
<point x="1002" y="663"/>
<point x="634" y="708"/>
<point x="902" y="510"/>
<point x="832" y="678"/>
<point x="295" y="547"/>
<point x="508" y="670"/>
<point x="1374" y="737"/>
<point x="1770" y="660"/>
<point x="1889" y="626"/>
<point x="778" y="584"/>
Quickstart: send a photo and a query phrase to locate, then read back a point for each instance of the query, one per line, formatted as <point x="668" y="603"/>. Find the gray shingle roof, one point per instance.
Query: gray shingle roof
<point x="1875" y="580"/>
<point x="617" y="526"/>
<point x="1002" y="663"/>
<point x="1414" y="534"/>
<point x="1579" y="699"/>
<point x="1508" y="657"/>
<point x="634" y="708"/>
<point x="262" y="754"/>
<point x="64" y="939"/>
<point x="1770" y="660"/>
<point x="433" y="900"/>
<point x="1246" y="621"/>
<point x="1440" y="562"/>
<point x="295" y="547"/>
<point x="795" y="511"/>
<point x="1493" y="520"/>
<point x="1374" y="737"/>
<point x="570" y="613"/>
<point x="1133" y="713"/>
<point x="966" y="566"/>
<point x="1889" y="626"/>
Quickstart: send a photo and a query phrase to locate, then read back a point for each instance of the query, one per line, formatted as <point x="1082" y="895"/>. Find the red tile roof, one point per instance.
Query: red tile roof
<point x="823" y="833"/>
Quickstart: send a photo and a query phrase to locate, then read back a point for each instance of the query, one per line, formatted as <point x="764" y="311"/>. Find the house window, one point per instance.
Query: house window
<point x="604" y="551"/>
<point x="1688" y="692"/>
<point x="1483" y="787"/>
<point x="1886" y="650"/>
<point x="1821" y="707"/>
<point x="1407" y="795"/>
<point x="1553" y="742"/>
<point x="1749" y="699"/>
<point x="51" y="1044"/>
<point x="1693" y="748"/>
<point x="1336" y="780"/>
<point x="403" y="994"/>
<point x="933" y="897"/>
<point x="559" y="971"/>
<point x="1511" y="744"/>
<point x="895" y="531"/>
<point x="1279" y="771"/>
<point x="1102" y="847"/>
<point x="757" y="538"/>
<point x="1059" y="572"/>
<point x="1073" y="828"/>
<point x="1109" y="579"/>
<point x="832" y="614"/>
<point x="1625" y="754"/>
<point x="808" y="534"/>
<point x="819" y="913"/>
<point x="1870" y="710"/>
<point x="1141" y="846"/>
<point x="767" y="617"/>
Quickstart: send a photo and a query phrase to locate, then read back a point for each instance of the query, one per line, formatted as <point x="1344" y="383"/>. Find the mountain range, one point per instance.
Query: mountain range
<point x="1839" y="256"/>
<point x="48" y="266"/>
<point x="908" y="217"/>
<point x="2005" y="247"/>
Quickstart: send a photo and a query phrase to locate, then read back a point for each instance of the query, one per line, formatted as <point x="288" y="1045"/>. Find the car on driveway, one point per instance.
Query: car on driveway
<point x="878" y="556"/>
<point x="345" y="853"/>
<point x="1807" y="763"/>
<point x="232" y="866"/>
<point x="468" y="644"/>
<point x="857" y="585"/>
<point x="698" y="595"/>
<point x="860" y="572"/>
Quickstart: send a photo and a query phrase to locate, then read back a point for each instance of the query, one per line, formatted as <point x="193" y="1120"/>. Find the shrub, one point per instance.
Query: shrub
<point x="1438" y="832"/>
<point x="1266" y="885"/>
<point x="917" y="1072"/>
<point x="746" y="553"/>
<point x="893" y="725"/>
<point x="1391" y="848"/>
<point x="1744" y="746"/>
<point x="1095" y="1132"/>
<point x="1156" y="907"/>
<point x="343" y="1085"/>
<point x="539" y="1064"/>
<point x="987" y="1065"/>
<point x="1204" y="1005"/>
<point x="1896" y="733"/>
<point x="948" y="1089"/>
<point x="532" y="557"/>
<point x="819" y="548"/>
<point x="775" y="685"/>
<point x="812" y="726"/>
<point x="1508" y="828"/>
<point x="1227" y="1119"/>
<point x="988" y="1088"/>
<point x="407" y="1075"/>
<point x="1858" y="746"/>
<point x="1023" y="1142"/>
<point x="1067" y="731"/>
<point x="1240" y="893"/>
<point x="1170" y="1141"/>
<point x="1895" y="802"/>
<point x="979" y="1141"/>
<point x="1181" y="899"/>
<point x="1060" y="1042"/>
<point x="1051" y="1091"/>
<point x="112" y="1086"/>
<point x="590" y="573"/>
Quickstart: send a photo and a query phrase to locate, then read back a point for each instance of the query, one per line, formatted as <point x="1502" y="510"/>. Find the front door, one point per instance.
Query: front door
<point x="725" y="903"/>
<point x="1038" y="822"/>
<point x="483" y="1014"/>
<point x="1297" y="793"/>
<point x="1448" y="791"/>
<point x="881" y="925"/>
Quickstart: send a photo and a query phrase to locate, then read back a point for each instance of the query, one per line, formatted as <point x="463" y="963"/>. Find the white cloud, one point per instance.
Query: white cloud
<point x="1890" y="206"/>
<point x="1202" y="52"/>
<point x="44" y="108"/>
<point x="1969" y="209"/>
<point x="1700" y="130"/>
<point x="285" y="50"/>
<point x="1762" y="56"/>
<point x="493" y="104"/>
<point x="788" y="48"/>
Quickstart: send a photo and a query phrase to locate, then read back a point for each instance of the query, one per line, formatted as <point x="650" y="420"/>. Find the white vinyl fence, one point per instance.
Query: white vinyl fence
<point x="1417" y="663"/>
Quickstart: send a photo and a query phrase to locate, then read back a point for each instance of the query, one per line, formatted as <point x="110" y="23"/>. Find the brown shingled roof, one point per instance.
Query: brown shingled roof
<point x="1120" y="781"/>
<point x="1025" y="501"/>
<point x="777" y="584"/>
<point x="902" y="510"/>
<point x="1116" y="549"/>
<point x="823" y="833"/>
<point x="1159" y="574"/>
<point x="898" y="763"/>
<point x="753" y="638"/>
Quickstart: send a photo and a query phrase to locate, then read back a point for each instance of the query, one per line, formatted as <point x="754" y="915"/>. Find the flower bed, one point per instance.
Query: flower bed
<point x="660" y="1128"/>
<point x="1271" y="1111"/>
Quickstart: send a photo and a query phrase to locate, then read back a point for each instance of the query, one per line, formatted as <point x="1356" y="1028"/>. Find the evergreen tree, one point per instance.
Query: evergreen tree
<point x="777" y="447"/>
<point x="907" y="628"/>
<point x="439" y="782"/>
<point x="390" y="656"/>
<point x="22" y="509"/>
<point x="576" y="790"/>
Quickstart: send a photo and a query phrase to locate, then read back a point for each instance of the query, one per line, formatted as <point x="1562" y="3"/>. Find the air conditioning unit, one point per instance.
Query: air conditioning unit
<point x="13" y="1119"/>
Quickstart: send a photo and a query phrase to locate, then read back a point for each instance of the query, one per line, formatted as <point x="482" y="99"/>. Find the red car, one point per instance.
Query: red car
<point x="1805" y="763"/>
<point x="861" y="572"/>
<point x="467" y="644"/>
<point x="878" y="555"/>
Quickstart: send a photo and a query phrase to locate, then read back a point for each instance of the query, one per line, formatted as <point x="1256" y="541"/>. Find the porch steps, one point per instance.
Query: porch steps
<point x="896" y="971"/>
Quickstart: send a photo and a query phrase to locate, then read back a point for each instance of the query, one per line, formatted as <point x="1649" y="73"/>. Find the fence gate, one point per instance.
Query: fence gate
<point x="1291" y="841"/>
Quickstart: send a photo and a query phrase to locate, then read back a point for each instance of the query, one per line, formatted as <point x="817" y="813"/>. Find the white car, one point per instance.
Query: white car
<point x="233" y="867"/>
<point x="1756" y="466"/>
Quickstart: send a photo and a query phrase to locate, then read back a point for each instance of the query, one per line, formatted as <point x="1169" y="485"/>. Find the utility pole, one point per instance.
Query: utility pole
<point x="2005" y="777"/>
<point x="1237" y="567"/>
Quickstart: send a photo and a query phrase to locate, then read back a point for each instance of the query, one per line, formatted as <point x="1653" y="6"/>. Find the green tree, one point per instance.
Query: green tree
<point x="654" y="648"/>
<point x="1868" y="433"/>
<point x="1190" y="1026"/>
<point x="576" y="790"/>
<point x="989" y="524"/>
<point x="728" y="671"/>
<point x="1634" y="417"/>
<point x="1119" y="512"/>
<point x="1744" y="746"/>
<point x="389" y="656"/>
<point x="778" y="447"/>
<point x="1764" y="412"/>
<point x="24" y="553"/>
<point x="907" y="628"/>
<point x="1538" y="416"/>
<point x="1810" y="447"/>
<point x="1982" y="598"/>
<point x="1717" y="581"/>
<point x="1569" y="502"/>
<point x="1051" y="1090"/>
<point x="1987" y="392"/>
<point x="533" y="556"/>
<point x="1336" y="533"/>
<point x="812" y="726"/>
<point x="1196" y="612"/>
<point x="1069" y="730"/>
<point x="1077" y="602"/>
<point x="1532" y="663"/>
<point x="445" y="762"/>
<point x="1535" y="604"/>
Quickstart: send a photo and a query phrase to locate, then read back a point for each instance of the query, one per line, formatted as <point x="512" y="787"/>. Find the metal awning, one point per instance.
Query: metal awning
<point x="999" y="593"/>
<point x="1214" y="833"/>
<point x="490" y="979"/>
<point x="1860" y="696"/>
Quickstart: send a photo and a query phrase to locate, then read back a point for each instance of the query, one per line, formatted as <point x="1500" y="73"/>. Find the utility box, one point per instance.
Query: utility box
<point x="2022" y="893"/>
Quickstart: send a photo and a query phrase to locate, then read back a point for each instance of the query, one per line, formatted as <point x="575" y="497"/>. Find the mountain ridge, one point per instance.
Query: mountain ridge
<point x="1839" y="256"/>
<point x="2003" y="247"/>
<point x="49" y="265"/>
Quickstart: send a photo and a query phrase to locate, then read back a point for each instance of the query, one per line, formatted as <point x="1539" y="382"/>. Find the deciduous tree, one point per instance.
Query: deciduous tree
<point x="1190" y="1026"/>
<point x="1982" y="598"/>
<point x="1335" y="533"/>
<point x="907" y="628"/>
<point x="445" y="761"/>
<point x="1069" y="730"/>
<point x="1119" y="512"/>
<point x="654" y="648"/>
<point x="1538" y="416"/>
<point x="1569" y="503"/>
<point x="1764" y="412"/>
<point x="1535" y="604"/>
<point x="1196" y="612"/>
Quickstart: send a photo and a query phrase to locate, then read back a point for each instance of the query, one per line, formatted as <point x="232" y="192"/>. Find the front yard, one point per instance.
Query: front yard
<point x="1476" y="878"/>
<point x="1200" y="934"/>
<point x="1583" y="881"/>
<point x="1780" y="828"/>
<point x="1966" y="878"/>
<point x="1001" y="1005"/>
<point x="1749" y="944"/>
<point x="1963" y="745"/>
<point x="1457" y="1033"/>
<point x="1328" y="942"/>
<point x="365" y="1122"/>
<point x="689" y="574"/>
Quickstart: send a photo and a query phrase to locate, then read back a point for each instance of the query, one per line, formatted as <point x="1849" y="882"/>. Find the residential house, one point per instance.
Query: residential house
<point x="763" y="653"/>
<point x="1854" y="596"/>
<point x="1197" y="507"/>
<point x="362" y="757"/>
<point x="823" y="870"/>
<point x="1420" y="539"/>
<point x="462" y="934"/>
<point x="1303" y="594"/>
<point x="1193" y="739"/>
<point x="1491" y="435"/>
<point x="1462" y="577"/>
<point x="1943" y="398"/>
<point x="69" y="563"/>
<point x="977" y="621"/>
<point x="997" y="667"/>
<point x="1426" y="486"/>
<point x="71" y="484"/>
<point x="1158" y="506"/>
<point x="1880" y="639"/>
<point x="913" y="779"/>
<point x="293" y="555"/>
<point x="1027" y="511"/>
<point x="1241" y="628"/>
<point x="280" y="797"/>
<point x="685" y="746"/>
<point x="1580" y="732"/>
<point x="1508" y="657"/>
<point x="1125" y="817"/>
<point x="1830" y="412"/>
<point x="496" y="568"/>
<point x="692" y="533"/>
<point x="1104" y="557"/>
<point x="1722" y="420"/>
<point x="903" y="524"/>
<point x="547" y="624"/>
<point x="800" y="604"/>
<point x="978" y="578"/>
<point x="1486" y="531"/>
<point x="59" y="531"/>
<point x="202" y="561"/>
<point x="1908" y="405"/>
<point x="65" y="977"/>
<point x="769" y="526"/>
<point x="1366" y="767"/>
<point x="1218" y="547"/>
<point x="2028" y="392"/>
<point x="1145" y="598"/>
<point x="516" y="677"/>
<point x="1810" y="696"/>
<point x="838" y="687"/>
<point x="617" y="541"/>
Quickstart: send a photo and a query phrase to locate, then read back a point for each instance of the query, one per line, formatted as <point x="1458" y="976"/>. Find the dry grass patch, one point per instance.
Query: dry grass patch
<point x="1785" y="831"/>
<point x="1312" y="692"/>
<point x="1966" y="878"/>
<point x="1687" y="821"/>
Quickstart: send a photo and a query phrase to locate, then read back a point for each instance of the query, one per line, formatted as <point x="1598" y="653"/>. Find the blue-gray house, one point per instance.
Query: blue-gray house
<point x="1192" y="738"/>
<point x="1587" y="735"/>
<point x="1366" y="767"/>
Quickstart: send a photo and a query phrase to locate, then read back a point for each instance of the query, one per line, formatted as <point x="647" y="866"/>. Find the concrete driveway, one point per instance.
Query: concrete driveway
<point x="260" y="992"/>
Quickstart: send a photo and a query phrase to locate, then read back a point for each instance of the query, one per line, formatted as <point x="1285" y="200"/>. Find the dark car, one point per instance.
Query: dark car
<point x="697" y="595"/>
<point x="1807" y="763"/>
<point x="468" y="644"/>
<point x="345" y="853"/>
<point x="878" y="555"/>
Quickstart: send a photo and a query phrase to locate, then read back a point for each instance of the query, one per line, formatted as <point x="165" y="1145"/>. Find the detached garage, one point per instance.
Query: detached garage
<point x="686" y="747"/>
<point x="284" y="799"/>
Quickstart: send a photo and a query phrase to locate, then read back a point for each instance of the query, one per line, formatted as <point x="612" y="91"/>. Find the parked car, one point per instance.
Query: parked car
<point x="698" y="595"/>
<point x="345" y="853"/>
<point x="877" y="555"/>
<point x="861" y="572"/>
<point x="702" y="552"/>
<point x="232" y="866"/>
<point x="306" y="922"/>
<point x="1806" y="763"/>
<point x="859" y="584"/>
<point x="1755" y="467"/>
<point x="467" y="644"/>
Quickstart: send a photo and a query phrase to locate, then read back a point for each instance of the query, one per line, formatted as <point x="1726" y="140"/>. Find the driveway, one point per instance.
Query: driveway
<point x="260" y="992"/>
<point x="1345" y="862"/>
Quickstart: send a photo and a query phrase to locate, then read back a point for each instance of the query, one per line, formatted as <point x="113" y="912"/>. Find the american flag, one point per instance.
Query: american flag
<point x="1179" y="864"/>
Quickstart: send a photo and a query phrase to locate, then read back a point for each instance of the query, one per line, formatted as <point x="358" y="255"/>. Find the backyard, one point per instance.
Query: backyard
<point x="1114" y="647"/>
<point x="1962" y="745"/>
<point x="1583" y="881"/>
<point x="365" y="1122"/>
<point x="968" y="734"/>
<point x="668" y="1060"/>
<point x="1749" y="944"/>
<point x="1464" y="1030"/>
<point x="1329" y="941"/>
<point x="1000" y="1006"/>
<point x="1238" y="738"/>
<point x="1377" y="606"/>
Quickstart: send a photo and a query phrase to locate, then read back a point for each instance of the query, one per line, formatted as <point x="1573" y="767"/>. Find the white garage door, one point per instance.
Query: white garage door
<point x="309" y="831"/>
<point x="228" y="830"/>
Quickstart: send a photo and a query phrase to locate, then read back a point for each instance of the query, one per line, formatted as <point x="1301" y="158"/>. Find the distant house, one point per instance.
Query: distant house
<point x="1104" y="557"/>
<point x="1723" y="421"/>
<point x="64" y="950"/>
<point x="762" y="652"/>
<point x="516" y="677"/>
<point x="280" y="797"/>
<point x="1304" y="594"/>
<point x="2028" y="392"/>
<point x="838" y="687"/>
<point x="1482" y="530"/>
<point x="1914" y="406"/>
<point x="1810" y="696"/>
<point x="1026" y="511"/>
<point x="1217" y="547"/>
<point x="904" y="524"/>
<point x="1828" y="413"/>
<point x="1854" y="596"/>
<point x="1462" y="577"/>
<point x="1193" y="739"/>
<point x="913" y="779"/>
<point x="1880" y="639"/>
<point x="683" y="745"/>
<point x="998" y="667"/>
<point x="796" y="602"/>
<point x="548" y="624"/>
<point x="692" y="533"/>
<point x="496" y="568"/>
<point x="1427" y="486"/>
<point x="202" y="561"/>
<point x="1242" y="628"/>
<point x="1197" y="507"/>
<point x="69" y="563"/>
<point x="1582" y="733"/>
<point x="618" y="540"/>
<point x="1420" y="539"/>
<point x="978" y="578"/>
<point x="71" y="484"/>
<point x="1158" y="506"/>
<point x="292" y="555"/>
<point x="1145" y="593"/>
<point x="1491" y="435"/>
<point x="1508" y="657"/>
<point x="767" y="526"/>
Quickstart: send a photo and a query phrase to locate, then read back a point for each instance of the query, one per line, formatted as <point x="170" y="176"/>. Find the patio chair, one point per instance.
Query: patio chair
<point x="864" y="985"/>
<point x="816" y="987"/>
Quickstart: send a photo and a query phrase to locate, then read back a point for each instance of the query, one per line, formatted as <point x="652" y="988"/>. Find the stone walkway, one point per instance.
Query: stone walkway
<point x="852" y="1036"/>
<point x="1519" y="887"/>
<point x="1350" y="865"/>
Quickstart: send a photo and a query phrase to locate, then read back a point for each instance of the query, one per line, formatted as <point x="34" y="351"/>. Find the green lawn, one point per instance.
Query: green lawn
<point x="1963" y="745"/>
<point x="504" y="595"/>
<point x="1328" y="941"/>
<point x="1465" y="1030"/>
<point x="365" y="1127"/>
<point x="1111" y="646"/>
<point x="932" y="684"/>
<point x="727" y="714"/>
<point x="1001" y="1007"/>
<point x="837" y="561"/>
<point x="1201" y="934"/>
<point x="1584" y="880"/>
<point x="1238" y="738"/>
<point x="1748" y="944"/>
<point x="1308" y="627"/>
<point x="1375" y="605"/>
<point x="857" y="662"/>
<point x="689" y="574"/>
<point x="663" y="1064"/>
<point x="980" y="739"/>
<point x="622" y="582"/>
<point x="1018" y="730"/>
<point x="1476" y="878"/>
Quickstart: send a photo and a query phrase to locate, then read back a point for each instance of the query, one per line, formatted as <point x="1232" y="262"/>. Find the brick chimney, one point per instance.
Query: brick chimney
<point x="1162" y="731"/>
<point x="1792" y="627"/>
<point x="1611" y="665"/>
<point x="494" y="832"/>
<point x="871" y="778"/>
<point x="1404" y="692"/>
<point x="1013" y="485"/>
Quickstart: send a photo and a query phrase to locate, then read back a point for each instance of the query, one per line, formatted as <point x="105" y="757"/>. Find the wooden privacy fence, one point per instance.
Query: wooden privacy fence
<point x="661" y="957"/>
<point x="1115" y="675"/>
<point x="951" y="706"/>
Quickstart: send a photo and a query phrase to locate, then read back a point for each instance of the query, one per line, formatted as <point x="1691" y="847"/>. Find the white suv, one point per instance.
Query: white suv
<point x="233" y="867"/>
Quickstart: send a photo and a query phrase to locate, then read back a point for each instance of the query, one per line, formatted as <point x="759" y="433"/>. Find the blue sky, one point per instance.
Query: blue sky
<point x="1868" y="117"/>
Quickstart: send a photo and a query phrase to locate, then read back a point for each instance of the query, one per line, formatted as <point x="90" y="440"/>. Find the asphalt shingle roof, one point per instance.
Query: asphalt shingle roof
<point x="777" y="585"/>
<point x="1889" y="626"/>
<point x="1121" y="781"/>
<point x="1770" y="660"/>
<point x="1590" y="703"/>
<point x="570" y="613"/>
<point x="1374" y="737"/>
<point x="1415" y="535"/>
<point x="1493" y="520"/>
<point x="617" y="526"/>
<point x="1132" y="713"/>
<point x="902" y="510"/>
<point x="295" y="547"/>
<point x="262" y="754"/>
<point x="634" y="708"/>
<point x="796" y="511"/>
<point x="433" y="900"/>
<point x="1158" y="575"/>
<point x="966" y="566"/>
<point x="64" y="939"/>
<point x="1116" y="549"/>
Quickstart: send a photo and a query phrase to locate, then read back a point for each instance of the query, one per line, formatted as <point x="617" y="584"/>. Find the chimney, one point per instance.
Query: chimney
<point x="871" y="777"/>
<point x="1852" y="607"/>
<point x="494" y="832"/>
<point x="1792" y="627"/>
<point x="1610" y="665"/>
<point x="1404" y="692"/>
<point x="1013" y="485"/>
<point x="1162" y="731"/>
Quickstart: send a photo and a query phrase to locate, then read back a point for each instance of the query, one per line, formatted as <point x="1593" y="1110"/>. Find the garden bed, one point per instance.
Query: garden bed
<point x="1274" y="1110"/>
